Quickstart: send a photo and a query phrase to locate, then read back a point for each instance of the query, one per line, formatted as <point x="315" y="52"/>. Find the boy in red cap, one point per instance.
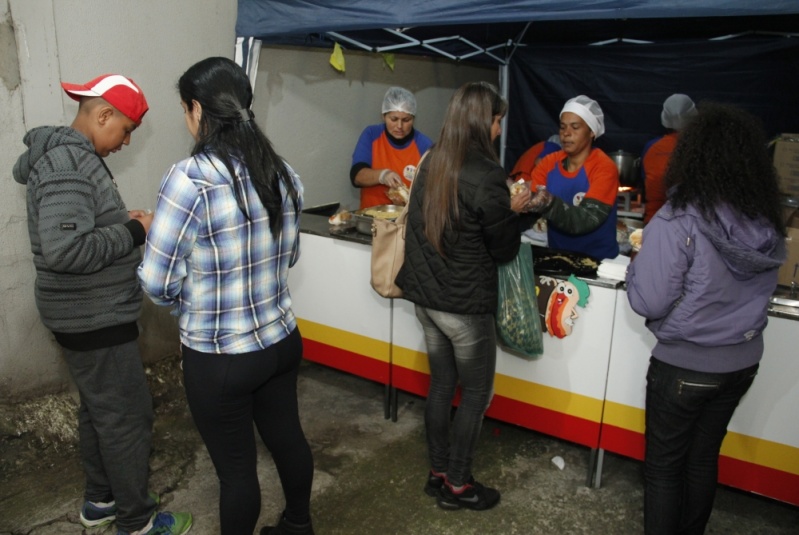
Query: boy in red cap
<point x="85" y="248"/>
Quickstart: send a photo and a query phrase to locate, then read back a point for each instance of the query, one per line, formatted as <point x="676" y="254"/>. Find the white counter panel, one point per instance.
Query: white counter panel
<point x="408" y="332"/>
<point x="768" y="409"/>
<point x="577" y="363"/>
<point x="330" y="285"/>
<point x="629" y="355"/>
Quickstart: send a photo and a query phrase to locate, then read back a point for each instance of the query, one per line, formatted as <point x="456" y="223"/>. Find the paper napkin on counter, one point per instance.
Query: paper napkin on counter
<point x="614" y="268"/>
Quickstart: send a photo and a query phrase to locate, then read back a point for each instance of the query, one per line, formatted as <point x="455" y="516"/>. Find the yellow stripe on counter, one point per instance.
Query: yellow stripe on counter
<point x="624" y="416"/>
<point x="762" y="452"/>
<point x="413" y="360"/>
<point x="549" y="397"/>
<point x="517" y="389"/>
<point x="348" y="341"/>
<point x="737" y="446"/>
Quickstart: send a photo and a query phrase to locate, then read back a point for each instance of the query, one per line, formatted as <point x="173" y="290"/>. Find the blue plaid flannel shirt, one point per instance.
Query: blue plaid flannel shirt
<point x="225" y="274"/>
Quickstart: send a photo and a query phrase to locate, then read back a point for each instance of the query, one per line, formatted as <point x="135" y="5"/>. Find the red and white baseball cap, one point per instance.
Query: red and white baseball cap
<point x="119" y="91"/>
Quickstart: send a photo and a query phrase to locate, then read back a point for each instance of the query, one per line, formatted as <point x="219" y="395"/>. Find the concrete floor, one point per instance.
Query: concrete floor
<point x="369" y="472"/>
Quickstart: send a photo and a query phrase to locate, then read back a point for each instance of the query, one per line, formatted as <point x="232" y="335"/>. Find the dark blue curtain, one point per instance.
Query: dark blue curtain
<point x="631" y="81"/>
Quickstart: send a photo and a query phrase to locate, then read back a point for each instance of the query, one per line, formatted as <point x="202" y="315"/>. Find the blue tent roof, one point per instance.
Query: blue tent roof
<point x="267" y="19"/>
<point x="483" y="30"/>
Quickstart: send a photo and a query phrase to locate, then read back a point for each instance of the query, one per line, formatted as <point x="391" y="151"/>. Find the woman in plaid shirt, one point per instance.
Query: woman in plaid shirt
<point x="225" y="232"/>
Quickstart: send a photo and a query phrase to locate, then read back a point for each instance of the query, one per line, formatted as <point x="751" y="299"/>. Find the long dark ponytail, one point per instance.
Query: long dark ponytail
<point x="228" y="129"/>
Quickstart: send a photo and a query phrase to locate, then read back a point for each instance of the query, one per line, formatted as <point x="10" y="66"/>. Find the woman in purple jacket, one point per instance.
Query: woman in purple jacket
<point x="702" y="280"/>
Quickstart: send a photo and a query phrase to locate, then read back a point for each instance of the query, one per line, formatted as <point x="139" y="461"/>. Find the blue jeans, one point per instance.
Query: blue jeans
<point x="460" y="348"/>
<point x="687" y="413"/>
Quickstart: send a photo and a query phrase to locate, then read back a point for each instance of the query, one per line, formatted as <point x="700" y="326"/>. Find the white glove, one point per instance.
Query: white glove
<point x="390" y="178"/>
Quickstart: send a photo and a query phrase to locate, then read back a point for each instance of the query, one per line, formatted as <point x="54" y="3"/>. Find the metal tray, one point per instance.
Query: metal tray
<point x="548" y="261"/>
<point x="363" y="219"/>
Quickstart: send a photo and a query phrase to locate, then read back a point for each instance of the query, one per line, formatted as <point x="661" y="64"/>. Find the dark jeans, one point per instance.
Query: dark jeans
<point x="115" y="421"/>
<point x="687" y="413"/>
<point x="226" y="394"/>
<point x="460" y="348"/>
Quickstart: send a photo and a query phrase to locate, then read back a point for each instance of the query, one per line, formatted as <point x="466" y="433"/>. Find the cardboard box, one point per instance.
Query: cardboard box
<point x="786" y="161"/>
<point x="790" y="216"/>
<point x="789" y="272"/>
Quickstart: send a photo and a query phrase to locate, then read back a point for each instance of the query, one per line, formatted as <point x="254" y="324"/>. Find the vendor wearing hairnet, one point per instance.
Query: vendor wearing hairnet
<point x="578" y="185"/>
<point x="678" y="110"/>
<point x="384" y="151"/>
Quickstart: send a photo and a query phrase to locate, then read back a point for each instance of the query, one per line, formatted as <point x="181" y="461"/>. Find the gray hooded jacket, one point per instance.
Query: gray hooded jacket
<point x="82" y="239"/>
<point x="704" y="287"/>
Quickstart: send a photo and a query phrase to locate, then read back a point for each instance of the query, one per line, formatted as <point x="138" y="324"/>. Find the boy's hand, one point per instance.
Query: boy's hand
<point x="145" y="217"/>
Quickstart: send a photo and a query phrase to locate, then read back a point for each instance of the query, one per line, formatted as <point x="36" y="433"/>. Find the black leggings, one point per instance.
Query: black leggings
<point x="226" y="394"/>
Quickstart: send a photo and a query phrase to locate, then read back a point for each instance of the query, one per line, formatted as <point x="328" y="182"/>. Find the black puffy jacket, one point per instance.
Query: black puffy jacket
<point x="465" y="282"/>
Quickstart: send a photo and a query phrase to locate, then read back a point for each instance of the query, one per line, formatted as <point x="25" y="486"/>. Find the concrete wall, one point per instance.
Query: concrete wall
<point x="312" y="114"/>
<point x="43" y="42"/>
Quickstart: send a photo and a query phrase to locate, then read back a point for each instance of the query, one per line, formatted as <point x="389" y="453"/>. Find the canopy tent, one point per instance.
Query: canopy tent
<point x="481" y="29"/>
<point x="736" y="51"/>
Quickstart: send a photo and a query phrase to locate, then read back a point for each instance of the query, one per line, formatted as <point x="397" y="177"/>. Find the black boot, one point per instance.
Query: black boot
<point x="284" y="527"/>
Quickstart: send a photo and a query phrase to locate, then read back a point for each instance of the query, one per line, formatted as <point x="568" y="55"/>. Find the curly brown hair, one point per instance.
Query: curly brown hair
<point x="722" y="157"/>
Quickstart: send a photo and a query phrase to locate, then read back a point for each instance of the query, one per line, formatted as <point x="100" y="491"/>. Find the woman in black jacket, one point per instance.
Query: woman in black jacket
<point x="460" y="225"/>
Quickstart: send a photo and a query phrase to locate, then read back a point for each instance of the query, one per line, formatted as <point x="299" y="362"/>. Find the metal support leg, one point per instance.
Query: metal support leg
<point x="387" y="402"/>
<point x="394" y="402"/>
<point x="595" y="461"/>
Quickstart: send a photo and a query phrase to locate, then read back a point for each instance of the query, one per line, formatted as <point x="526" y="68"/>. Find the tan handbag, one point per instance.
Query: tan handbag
<point x="388" y="250"/>
<point x="388" y="253"/>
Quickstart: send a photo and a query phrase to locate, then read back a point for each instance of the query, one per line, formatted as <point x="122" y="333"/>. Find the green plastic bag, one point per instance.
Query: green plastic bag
<point x="518" y="321"/>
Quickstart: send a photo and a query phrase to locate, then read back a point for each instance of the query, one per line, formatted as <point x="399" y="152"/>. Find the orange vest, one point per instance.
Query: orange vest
<point x="384" y="156"/>
<point x="654" y="162"/>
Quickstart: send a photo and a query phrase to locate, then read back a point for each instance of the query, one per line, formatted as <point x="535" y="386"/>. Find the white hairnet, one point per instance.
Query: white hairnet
<point x="678" y="110"/>
<point x="589" y="111"/>
<point x="399" y="99"/>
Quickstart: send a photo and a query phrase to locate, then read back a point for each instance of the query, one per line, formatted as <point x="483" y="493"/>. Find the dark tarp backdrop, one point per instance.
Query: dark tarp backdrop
<point x="631" y="81"/>
<point x="744" y="52"/>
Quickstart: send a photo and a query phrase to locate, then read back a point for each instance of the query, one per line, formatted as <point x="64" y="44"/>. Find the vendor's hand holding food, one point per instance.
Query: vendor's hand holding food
<point x="399" y="196"/>
<point x="390" y="178"/>
<point x="541" y="200"/>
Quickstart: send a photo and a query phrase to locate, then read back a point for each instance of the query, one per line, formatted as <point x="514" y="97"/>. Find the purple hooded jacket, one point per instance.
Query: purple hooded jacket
<point x="704" y="287"/>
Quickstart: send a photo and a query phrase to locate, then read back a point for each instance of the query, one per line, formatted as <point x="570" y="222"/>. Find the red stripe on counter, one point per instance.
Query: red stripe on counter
<point x="622" y="441"/>
<point x="744" y="475"/>
<point x="341" y="359"/>
<point x="759" y="479"/>
<point x="557" y="424"/>
<point x="411" y="381"/>
<point x="508" y="410"/>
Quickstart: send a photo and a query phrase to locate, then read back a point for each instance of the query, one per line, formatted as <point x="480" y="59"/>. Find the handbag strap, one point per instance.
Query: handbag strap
<point x="403" y="216"/>
<point x="418" y="166"/>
